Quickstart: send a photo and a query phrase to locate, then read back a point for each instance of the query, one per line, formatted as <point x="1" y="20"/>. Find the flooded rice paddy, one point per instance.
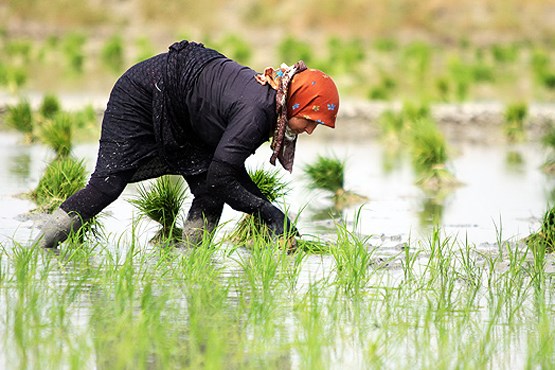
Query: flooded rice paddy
<point x="414" y="281"/>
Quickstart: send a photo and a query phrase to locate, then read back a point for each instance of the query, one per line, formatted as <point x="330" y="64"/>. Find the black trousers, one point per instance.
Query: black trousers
<point x="102" y="191"/>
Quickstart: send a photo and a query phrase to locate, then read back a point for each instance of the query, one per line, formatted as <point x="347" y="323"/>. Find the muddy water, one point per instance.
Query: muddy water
<point x="499" y="196"/>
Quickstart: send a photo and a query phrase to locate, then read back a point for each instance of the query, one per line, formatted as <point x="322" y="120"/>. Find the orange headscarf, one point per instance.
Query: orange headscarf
<point x="314" y="96"/>
<point x="300" y="91"/>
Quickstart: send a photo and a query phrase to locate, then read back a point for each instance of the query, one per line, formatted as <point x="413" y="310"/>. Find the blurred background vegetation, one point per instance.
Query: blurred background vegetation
<point x="431" y="50"/>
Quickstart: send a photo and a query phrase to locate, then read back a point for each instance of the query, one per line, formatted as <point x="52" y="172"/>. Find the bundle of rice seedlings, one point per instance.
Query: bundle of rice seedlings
<point x="50" y="106"/>
<point x="545" y="237"/>
<point x="515" y="114"/>
<point x="271" y="184"/>
<point x="429" y="156"/>
<point x="57" y="133"/>
<point x="548" y="141"/>
<point x="329" y="174"/>
<point x="314" y="246"/>
<point x="162" y="202"/>
<point x="63" y="177"/>
<point x="20" y="118"/>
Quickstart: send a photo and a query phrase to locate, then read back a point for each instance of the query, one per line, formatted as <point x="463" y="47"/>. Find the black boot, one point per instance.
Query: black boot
<point x="202" y="219"/>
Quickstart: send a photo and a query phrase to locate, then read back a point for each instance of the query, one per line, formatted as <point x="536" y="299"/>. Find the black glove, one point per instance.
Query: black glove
<point x="277" y="221"/>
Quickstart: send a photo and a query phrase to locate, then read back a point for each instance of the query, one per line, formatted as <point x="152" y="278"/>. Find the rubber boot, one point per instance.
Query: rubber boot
<point x="56" y="228"/>
<point x="202" y="219"/>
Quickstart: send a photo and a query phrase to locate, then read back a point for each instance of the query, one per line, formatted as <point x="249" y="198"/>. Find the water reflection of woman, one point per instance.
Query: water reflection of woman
<point x="195" y="113"/>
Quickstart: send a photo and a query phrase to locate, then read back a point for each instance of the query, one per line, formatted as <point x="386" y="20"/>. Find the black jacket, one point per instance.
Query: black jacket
<point x="189" y="111"/>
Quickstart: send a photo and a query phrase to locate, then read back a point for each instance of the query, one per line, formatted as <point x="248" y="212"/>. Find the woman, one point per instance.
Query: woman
<point x="194" y="112"/>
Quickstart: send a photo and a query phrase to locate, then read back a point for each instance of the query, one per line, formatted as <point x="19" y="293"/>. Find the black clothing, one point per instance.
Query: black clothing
<point x="192" y="112"/>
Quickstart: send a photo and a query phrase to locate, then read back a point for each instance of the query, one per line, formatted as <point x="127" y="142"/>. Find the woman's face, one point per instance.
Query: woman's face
<point x="300" y="125"/>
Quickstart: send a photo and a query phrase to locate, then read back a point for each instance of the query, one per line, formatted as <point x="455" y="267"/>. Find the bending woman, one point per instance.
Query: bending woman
<point x="195" y="113"/>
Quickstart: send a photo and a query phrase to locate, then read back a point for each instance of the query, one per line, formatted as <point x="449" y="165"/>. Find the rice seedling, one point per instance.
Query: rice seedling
<point x="50" y="106"/>
<point x="548" y="142"/>
<point x="384" y="89"/>
<point x="20" y="117"/>
<point x="353" y="257"/>
<point x="429" y="155"/>
<point x="236" y="48"/>
<point x="328" y="174"/>
<point x="344" y="55"/>
<point x="123" y="305"/>
<point x="271" y="184"/>
<point x="72" y="46"/>
<point x="63" y="177"/>
<point x="145" y="49"/>
<point x="57" y="133"/>
<point x="515" y="115"/>
<point x="112" y="53"/>
<point x="13" y="77"/>
<point x="544" y="238"/>
<point x="162" y="203"/>
<point x="291" y="50"/>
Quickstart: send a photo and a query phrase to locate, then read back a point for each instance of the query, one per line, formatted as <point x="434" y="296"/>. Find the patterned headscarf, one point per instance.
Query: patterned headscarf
<point x="308" y="93"/>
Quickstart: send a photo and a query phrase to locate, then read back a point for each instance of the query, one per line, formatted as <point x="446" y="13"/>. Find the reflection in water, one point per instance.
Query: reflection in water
<point x="515" y="161"/>
<point x="20" y="165"/>
<point x="392" y="158"/>
<point x="431" y="213"/>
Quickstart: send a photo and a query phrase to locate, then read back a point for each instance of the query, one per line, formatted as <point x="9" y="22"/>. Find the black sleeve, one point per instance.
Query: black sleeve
<point x="230" y="185"/>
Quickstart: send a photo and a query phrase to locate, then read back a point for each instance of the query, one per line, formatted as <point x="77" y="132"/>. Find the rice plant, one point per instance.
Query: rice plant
<point x="72" y="46"/>
<point x="515" y="115"/>
<point x="113" y="54"/>
<point x="272" y="185"/>
<point x="328" y="174"/>
<point x="57" y="133"/>
<point x="236" y="48"/>
<point x="290" y="50"/>
<point x="162" y="202"/>
<point x="49" y="106"/>
<point x="548" y="141"/>
<point x="544" y="238"/>
<point x="61" y="179"/>
<point x="20" y="117"/>
<point x="429" y="155"/>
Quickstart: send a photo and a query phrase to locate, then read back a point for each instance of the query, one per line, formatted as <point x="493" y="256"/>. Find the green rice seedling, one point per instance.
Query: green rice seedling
<point x="515" y="115"/>
<point x="505" y="53"/>
<point x="20" y="117"/>
<point x="272" y="185"/>
<point x="236" y="48"/>
<point x="162" y="203"/>
<point x="461" y="74"/>
<point x="352" y="258"/>
<point x="57" y="134"/>
<point x="112" y="54"/>
<point x="291" y="50"/>
<point x="544" y="238"/>
<point x="50" y="106"/>
<point x="548" y="142"/>
<point x="429" y="155"/>
<point x="144" y="49"/>
<point x="327" y="173"/>
<point x="540" y="62"/>
<point x="314" y="246"/>
<point x="63" y="177"/>
<point x="418" y="56"/>
<point x="13" y="77"/>
<point x="392" y="125"/>
<point x="384" y="89"/>
<point x="72" y="46"/>
<point x="344" y="55"/>
<point x="386" y="44"/>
